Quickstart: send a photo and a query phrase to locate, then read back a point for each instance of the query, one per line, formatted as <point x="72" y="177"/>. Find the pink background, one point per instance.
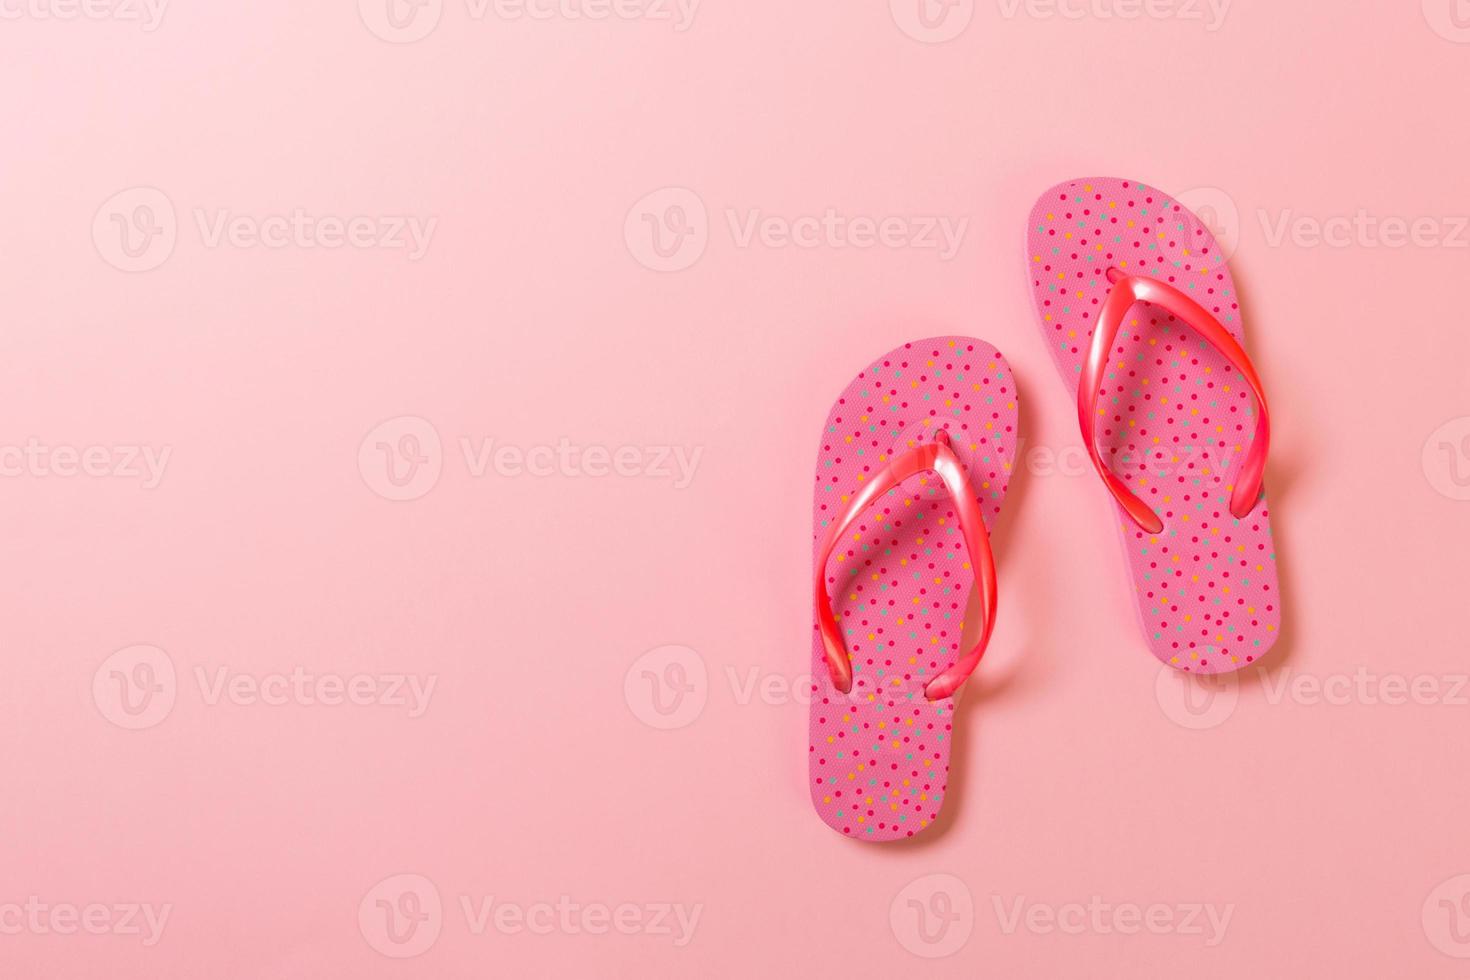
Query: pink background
<point x="1333" y="829"/>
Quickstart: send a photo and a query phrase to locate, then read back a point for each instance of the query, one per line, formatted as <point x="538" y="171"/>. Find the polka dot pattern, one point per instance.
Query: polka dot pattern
<point x="900" y="583"/>
<point x="1175" y="419"/>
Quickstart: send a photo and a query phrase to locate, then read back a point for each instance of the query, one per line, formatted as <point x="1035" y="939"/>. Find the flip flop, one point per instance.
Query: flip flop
<point x="915" y="461"/>
<point x="1143" y="320"/>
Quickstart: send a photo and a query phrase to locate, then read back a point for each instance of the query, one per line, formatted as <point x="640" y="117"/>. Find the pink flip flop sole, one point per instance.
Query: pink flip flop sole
<point x="900" y="579"/>
<point x="1175" y="419"/>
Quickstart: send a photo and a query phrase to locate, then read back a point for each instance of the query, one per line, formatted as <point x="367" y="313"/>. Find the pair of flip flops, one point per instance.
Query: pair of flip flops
<point x="1142" y="318"/>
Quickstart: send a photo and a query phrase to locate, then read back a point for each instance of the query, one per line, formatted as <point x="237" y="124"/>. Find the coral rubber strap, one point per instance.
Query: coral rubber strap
<point x="939" y="458"/>
<point x="1128" y="290"/>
